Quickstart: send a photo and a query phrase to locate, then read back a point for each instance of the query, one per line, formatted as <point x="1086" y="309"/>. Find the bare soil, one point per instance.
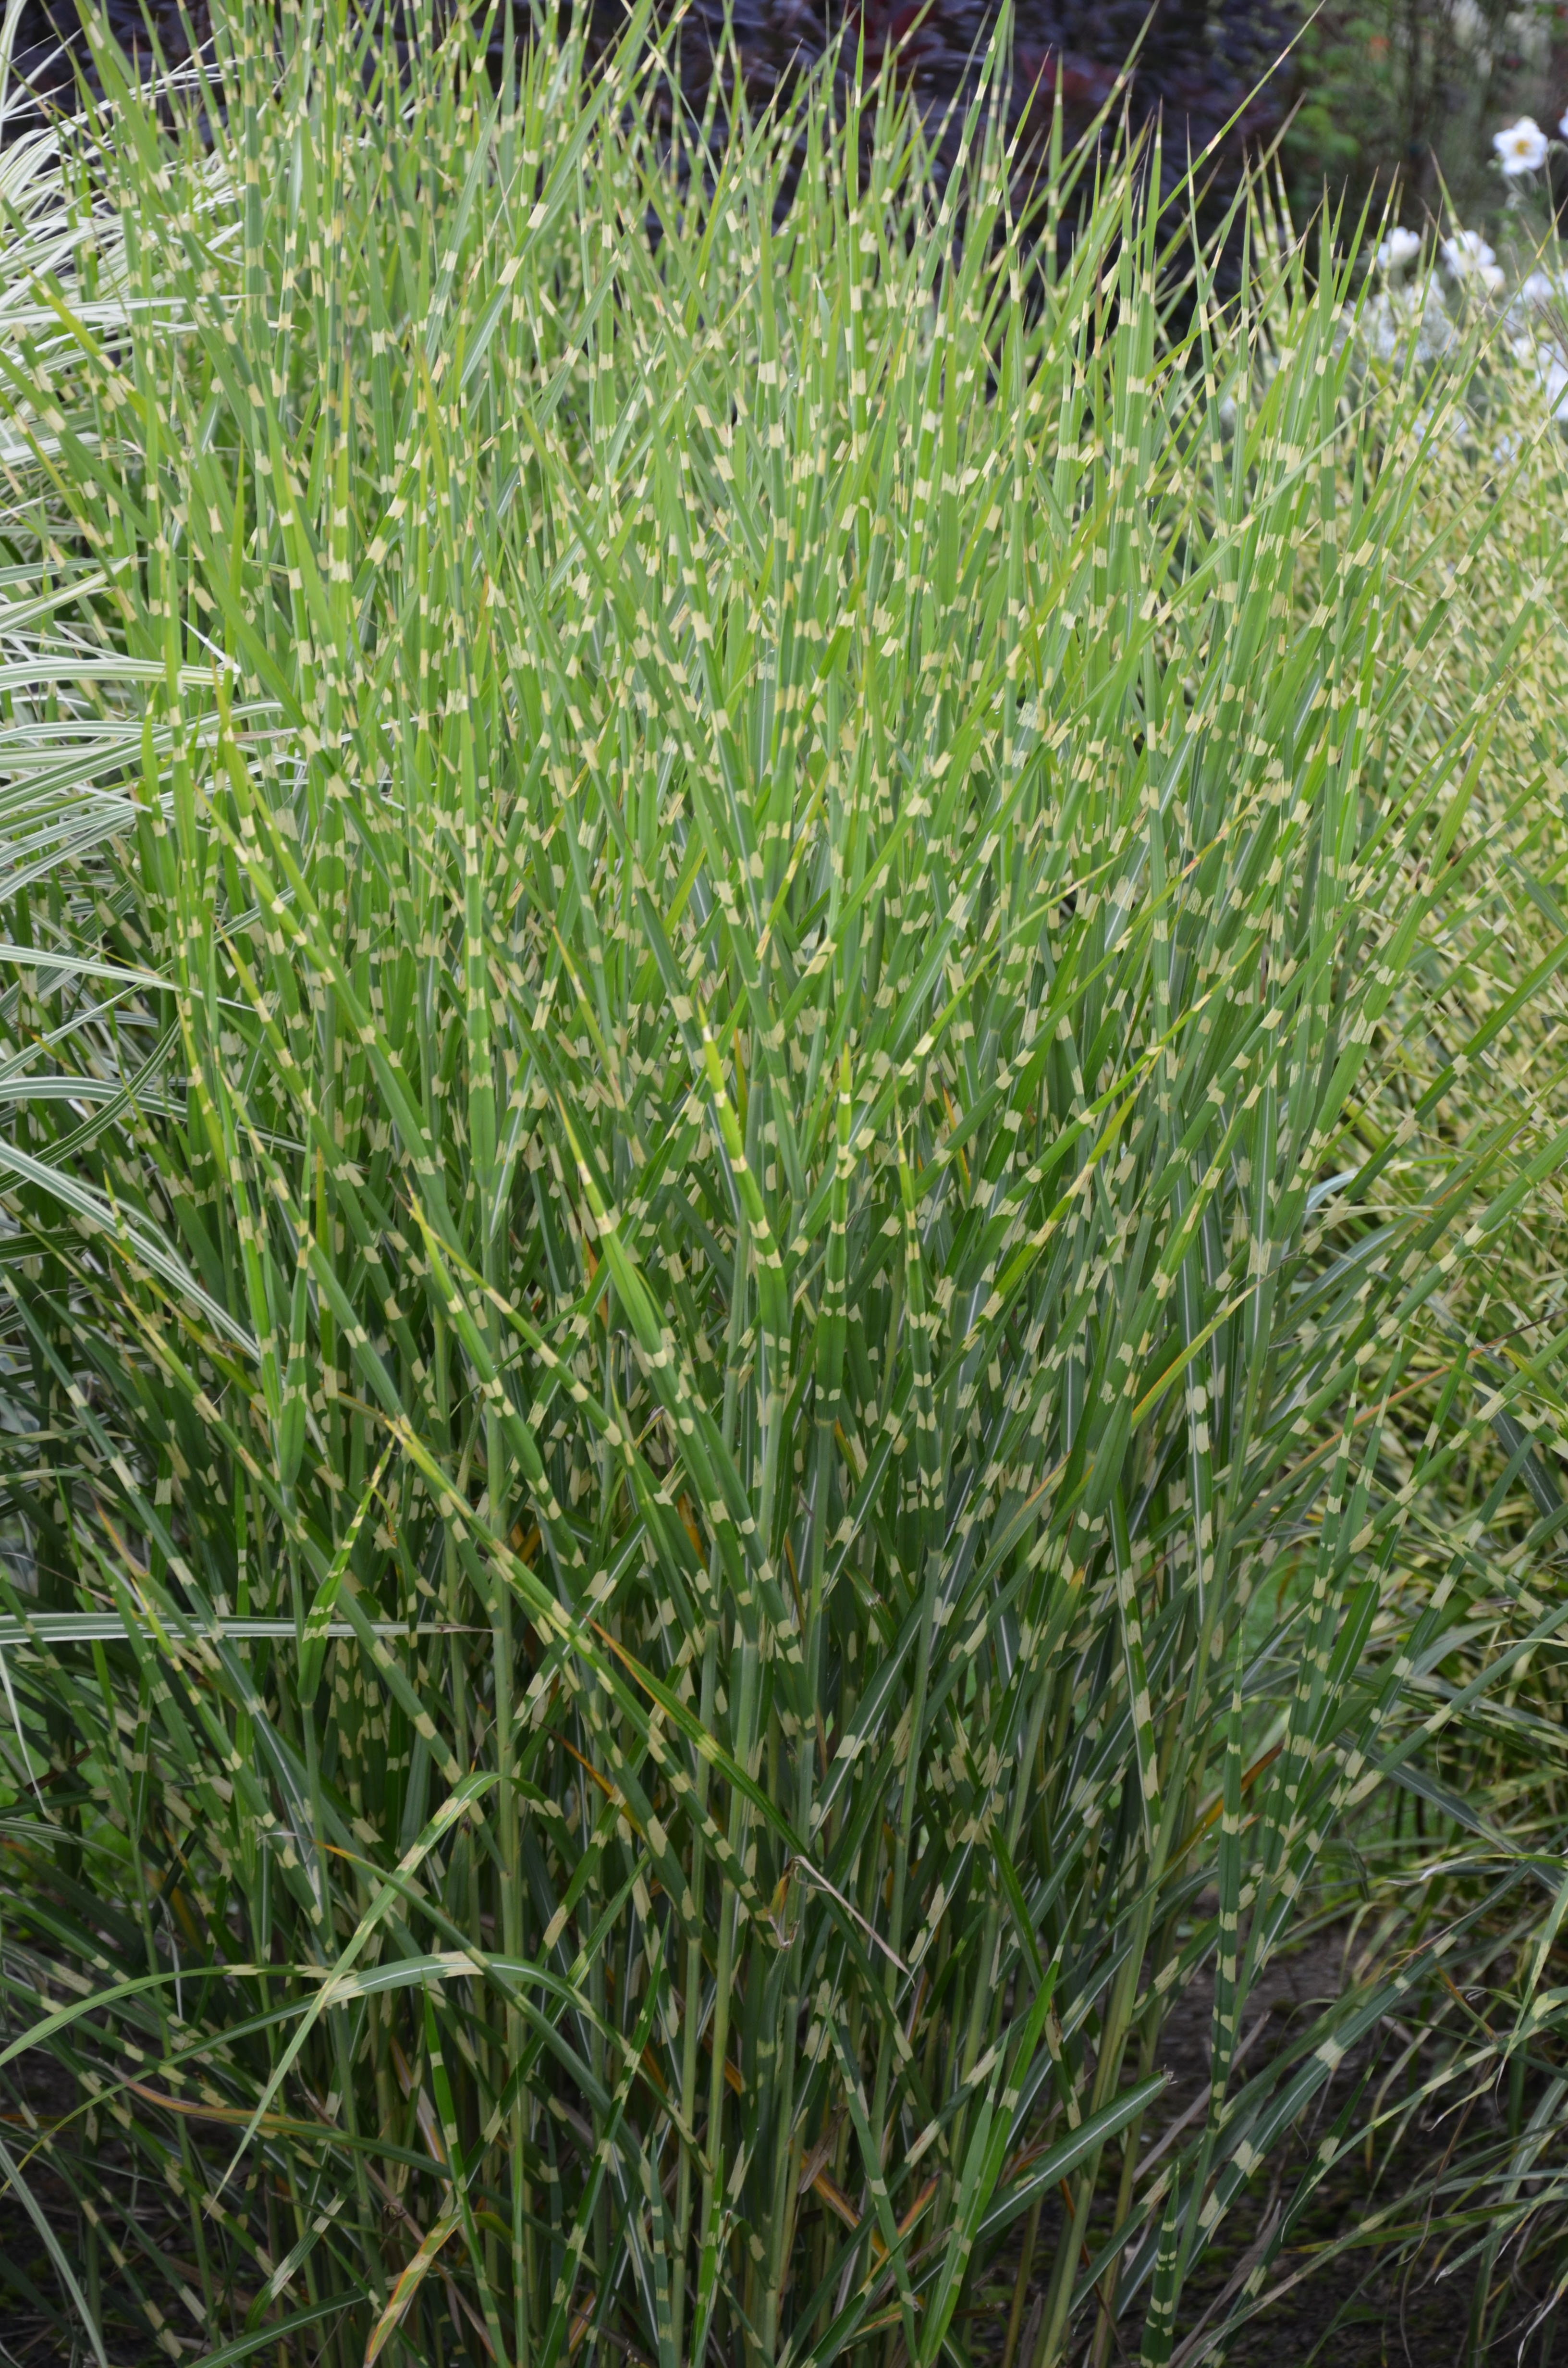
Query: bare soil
<point x="1384" y="2306"/>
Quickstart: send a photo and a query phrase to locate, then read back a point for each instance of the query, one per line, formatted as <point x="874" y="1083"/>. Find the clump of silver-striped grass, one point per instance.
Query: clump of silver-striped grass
<point x="733" y="1351"/>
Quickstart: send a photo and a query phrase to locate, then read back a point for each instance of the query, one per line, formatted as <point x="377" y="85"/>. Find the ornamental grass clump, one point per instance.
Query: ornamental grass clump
<point x="734" y="1345"/>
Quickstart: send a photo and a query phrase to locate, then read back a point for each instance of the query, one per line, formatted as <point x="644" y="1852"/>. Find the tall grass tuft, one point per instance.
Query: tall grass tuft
<point x="741" y="1308"/>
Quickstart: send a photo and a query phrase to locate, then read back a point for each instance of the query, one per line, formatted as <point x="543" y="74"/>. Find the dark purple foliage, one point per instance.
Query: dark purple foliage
<point x="1202" y="67"/>
<point x="49" y="38"/>
<point x="1199" y="61"/>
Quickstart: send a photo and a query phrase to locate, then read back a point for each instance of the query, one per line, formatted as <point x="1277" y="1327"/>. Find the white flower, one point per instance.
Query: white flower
<point x="1400" y="247"/>
<point x="1521" y="146"/>
<point x="1562" y="126"/>
<point x="1539" y="288"/>
<point x="1409" y="322"/>
<point x="1466" y="252"/>
<point x="1492" y="278"/>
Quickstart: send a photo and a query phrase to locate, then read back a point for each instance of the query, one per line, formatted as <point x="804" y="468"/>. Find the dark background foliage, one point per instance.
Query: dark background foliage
<point x="1372" y="100"/>
<point x="1400" y="98"/>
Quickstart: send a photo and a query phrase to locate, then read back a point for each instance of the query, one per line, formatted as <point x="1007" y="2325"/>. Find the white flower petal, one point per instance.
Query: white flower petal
<point x="1400" y="247"/>
<point x="1521" y="146"/>
<point x="1466" y="252"/>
